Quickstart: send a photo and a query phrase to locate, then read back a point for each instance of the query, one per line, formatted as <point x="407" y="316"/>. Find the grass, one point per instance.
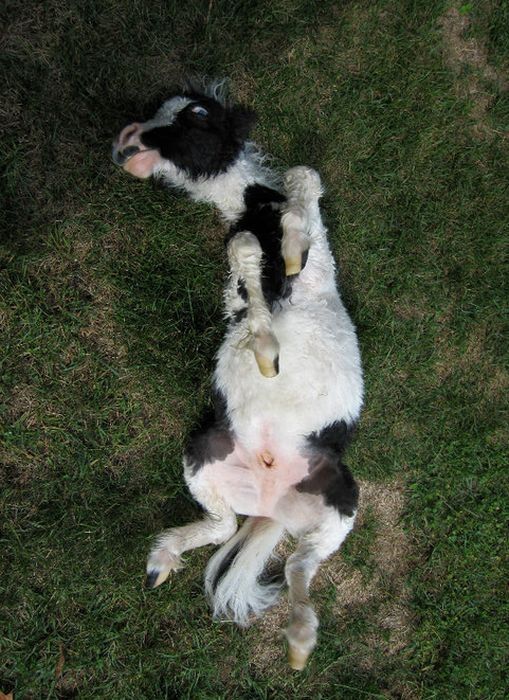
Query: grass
<point x="110" y="316"/>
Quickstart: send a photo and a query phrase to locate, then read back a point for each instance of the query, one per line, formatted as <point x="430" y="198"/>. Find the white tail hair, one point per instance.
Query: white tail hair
<point x="232" y="576"/>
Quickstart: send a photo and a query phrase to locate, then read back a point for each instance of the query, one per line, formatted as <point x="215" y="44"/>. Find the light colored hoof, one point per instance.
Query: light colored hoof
<point x="268" y="368"/>
<point x="297" y="658"/>
<point x="293" y="266"/>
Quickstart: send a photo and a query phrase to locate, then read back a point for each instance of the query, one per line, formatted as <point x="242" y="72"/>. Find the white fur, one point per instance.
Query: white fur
<point x="321" y="377"/>
<point x="226" y="190"/>
<point x="167" y="113"/>
<point x="216" y="89"/>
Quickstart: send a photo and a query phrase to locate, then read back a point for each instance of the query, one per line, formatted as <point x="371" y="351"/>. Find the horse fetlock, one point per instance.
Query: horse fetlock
<point x="160" y="563"/>
<point x="301" y="634"/>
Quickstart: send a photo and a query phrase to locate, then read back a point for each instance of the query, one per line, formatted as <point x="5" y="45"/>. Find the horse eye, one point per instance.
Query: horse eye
<point x="200" y="111"/>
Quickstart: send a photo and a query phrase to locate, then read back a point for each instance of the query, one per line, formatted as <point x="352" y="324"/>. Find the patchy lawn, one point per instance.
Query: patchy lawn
<point x="110" y="314"/>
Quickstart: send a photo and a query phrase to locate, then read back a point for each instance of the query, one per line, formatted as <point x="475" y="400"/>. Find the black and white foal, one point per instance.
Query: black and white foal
<point x="287" y="380"/>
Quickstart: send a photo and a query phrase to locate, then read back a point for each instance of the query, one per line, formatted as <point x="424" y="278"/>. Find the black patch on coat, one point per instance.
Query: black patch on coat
<point x="239" y="315"/>
<point x="226" y="563"/>
<point x="202" y="145"/>
<point x="328" y="476"/>
<point x="335" y="437"/>
<point x="304" y="259"/>
<point x="241" y="290"/>
<point x="262" y="217"/>
<point x="212" y="439"/>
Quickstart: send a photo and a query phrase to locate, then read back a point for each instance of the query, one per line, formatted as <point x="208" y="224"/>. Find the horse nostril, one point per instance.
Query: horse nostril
<point x="121" y="156"/>
<point x="129" y="151"/>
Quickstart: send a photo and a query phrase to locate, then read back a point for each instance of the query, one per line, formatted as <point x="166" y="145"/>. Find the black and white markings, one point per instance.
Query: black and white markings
<point x="212" y="439"/>
<point x="204" y="138"/>
<point x="262" y="217"/>
<point x="328" y="476"/>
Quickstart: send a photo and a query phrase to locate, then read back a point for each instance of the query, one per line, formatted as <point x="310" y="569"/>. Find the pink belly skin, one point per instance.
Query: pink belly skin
<point x="252" y="483"/>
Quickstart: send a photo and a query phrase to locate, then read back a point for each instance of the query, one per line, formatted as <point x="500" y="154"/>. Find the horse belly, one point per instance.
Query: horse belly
<point x="253" y="483"/>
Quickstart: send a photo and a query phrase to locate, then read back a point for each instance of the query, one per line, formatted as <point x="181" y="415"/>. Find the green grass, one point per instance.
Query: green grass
<point x="110" y="312"/>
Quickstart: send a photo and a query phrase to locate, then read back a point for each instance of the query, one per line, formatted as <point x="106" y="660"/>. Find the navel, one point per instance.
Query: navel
<point x="266" y="459"/>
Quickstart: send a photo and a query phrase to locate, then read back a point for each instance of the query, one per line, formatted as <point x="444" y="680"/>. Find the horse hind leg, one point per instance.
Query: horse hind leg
<point x="313" y="547"/>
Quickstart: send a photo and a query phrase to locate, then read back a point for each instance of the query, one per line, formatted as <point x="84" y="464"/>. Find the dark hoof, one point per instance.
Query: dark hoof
<point x="150" y="580"/>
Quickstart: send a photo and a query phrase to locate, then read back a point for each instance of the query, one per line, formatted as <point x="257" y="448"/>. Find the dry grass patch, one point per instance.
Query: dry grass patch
<point x="476" y="79"/>
<point x="23" y="404"/>
<point x="386" y="590"/>
<point x="408" y="310"/>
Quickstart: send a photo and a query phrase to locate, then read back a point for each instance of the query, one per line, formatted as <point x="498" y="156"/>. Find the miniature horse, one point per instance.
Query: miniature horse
<point x="287" y="383"/>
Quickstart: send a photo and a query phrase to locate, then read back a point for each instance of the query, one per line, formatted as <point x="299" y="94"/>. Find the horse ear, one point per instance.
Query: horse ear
<point x="242" y="121"/>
